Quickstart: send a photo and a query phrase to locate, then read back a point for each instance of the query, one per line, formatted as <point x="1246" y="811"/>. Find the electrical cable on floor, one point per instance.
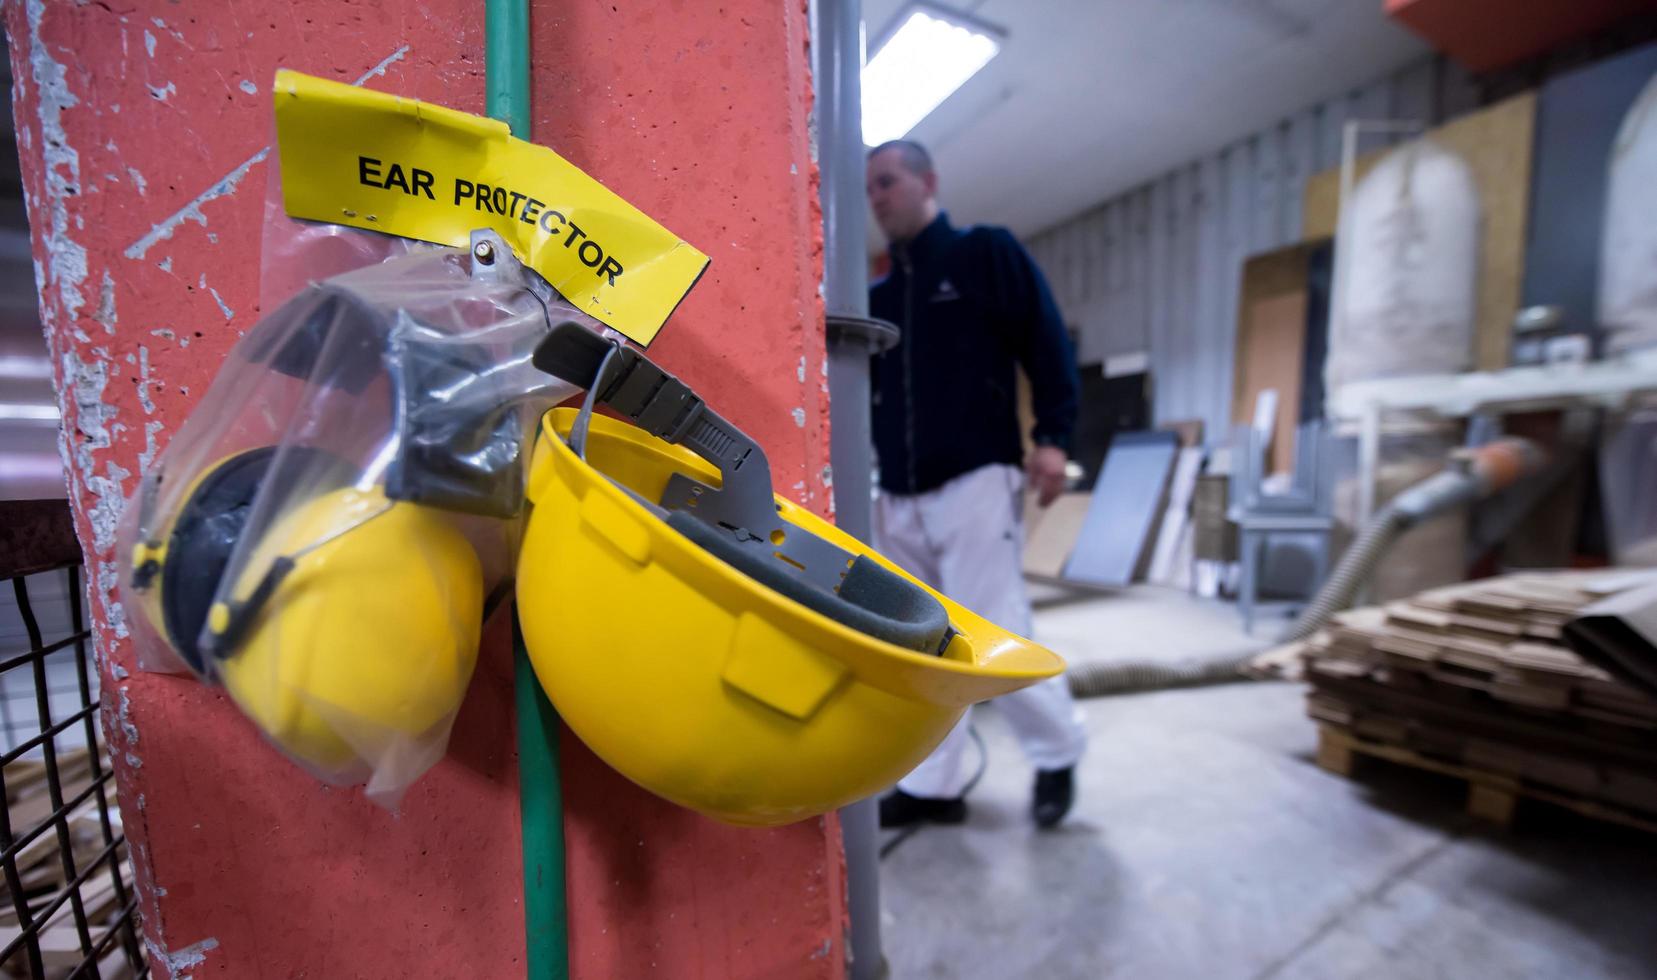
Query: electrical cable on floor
<point x="915" y="828"/>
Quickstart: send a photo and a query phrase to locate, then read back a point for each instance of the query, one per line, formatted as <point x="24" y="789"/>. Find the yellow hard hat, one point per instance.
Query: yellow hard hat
<point x="352" y="631"/>
<point x="696" y="655"/>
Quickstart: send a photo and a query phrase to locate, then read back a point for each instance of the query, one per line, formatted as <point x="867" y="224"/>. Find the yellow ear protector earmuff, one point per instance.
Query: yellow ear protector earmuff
<point x="352" y="625"/>
<point x="362" y="631"/>
<point x="176" y="568"/>
<point x="354" y="628"/>
<point x="715" y="643"/>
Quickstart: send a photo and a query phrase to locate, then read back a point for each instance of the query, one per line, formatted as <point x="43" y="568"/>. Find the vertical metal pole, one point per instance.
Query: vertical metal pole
<point x="837" y="63"/>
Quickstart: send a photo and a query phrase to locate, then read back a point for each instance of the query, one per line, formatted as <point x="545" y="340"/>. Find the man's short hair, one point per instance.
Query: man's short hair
<point x="914" y="156"/>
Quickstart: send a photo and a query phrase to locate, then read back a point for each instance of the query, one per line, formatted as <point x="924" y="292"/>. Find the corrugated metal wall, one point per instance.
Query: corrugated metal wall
<point x="1156" y="269"/>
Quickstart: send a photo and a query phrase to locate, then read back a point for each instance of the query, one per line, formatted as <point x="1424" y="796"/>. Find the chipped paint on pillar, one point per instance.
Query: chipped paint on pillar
<point x="144" y="141"/>
<point x="813" y="339"/>
<point x="163" y="230"/>
<point x="178" y="962"/>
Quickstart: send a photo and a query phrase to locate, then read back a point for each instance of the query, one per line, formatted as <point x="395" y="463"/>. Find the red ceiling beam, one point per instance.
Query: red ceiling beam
<point x="1487" y="34"/>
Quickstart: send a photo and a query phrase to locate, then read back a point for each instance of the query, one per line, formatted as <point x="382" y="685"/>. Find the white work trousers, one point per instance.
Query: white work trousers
<point x="966" y="539"/>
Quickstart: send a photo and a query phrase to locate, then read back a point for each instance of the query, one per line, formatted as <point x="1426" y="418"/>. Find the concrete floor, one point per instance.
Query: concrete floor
<point x="1207" y="844"/>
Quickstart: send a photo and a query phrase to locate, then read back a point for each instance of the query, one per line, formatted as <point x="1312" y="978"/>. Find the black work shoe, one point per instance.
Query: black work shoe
<point x="1055" y="790"/>
<point x="899" y="809"/>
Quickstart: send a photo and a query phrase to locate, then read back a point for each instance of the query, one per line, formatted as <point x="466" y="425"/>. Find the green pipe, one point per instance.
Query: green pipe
<point x="541" y="818"/>
<point x="541" y="803"/>
<point x="506" y="63"/>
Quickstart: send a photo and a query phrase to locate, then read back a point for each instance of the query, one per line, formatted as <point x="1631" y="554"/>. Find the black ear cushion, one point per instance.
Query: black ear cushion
<point x="871" y="599"/>
<point x="207" y="530"/>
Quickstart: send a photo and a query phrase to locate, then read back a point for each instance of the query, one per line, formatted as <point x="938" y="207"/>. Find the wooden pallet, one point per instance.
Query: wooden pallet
<point x="1491" y="797"/>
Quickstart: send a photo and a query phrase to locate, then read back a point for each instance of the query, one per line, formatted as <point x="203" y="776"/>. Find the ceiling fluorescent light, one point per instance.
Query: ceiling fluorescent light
<point x="21" y="367"/>
<point x="28" y="413"/>
<point x="922" y="63"/>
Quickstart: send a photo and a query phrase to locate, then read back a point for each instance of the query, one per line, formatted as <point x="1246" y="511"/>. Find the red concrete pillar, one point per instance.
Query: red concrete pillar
<point x="144" y="130"/>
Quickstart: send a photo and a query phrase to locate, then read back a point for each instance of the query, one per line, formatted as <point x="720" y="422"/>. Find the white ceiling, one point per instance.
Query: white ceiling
<point x="1089" y="98"/>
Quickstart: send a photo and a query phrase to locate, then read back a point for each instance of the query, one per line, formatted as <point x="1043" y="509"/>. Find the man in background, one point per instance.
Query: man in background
<point x="971" y="308"/>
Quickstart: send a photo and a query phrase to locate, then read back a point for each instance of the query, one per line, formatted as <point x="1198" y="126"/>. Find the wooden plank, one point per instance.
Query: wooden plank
<point x="1542" y="658"/>
<point x="28" y="813"/>
<point x="24" y="775"/>
<point x="60" y="944"/>
<point x="1413" y="653"/>
<point x="1552" y="700"/>
<point x="1175" y="517"/>
<point x="1270" y="344"/>
<point x="1048" y="544"/>
<point x="1335" y="751"/>
<point x="39" y="859"/>
<point x="114" y="965"/>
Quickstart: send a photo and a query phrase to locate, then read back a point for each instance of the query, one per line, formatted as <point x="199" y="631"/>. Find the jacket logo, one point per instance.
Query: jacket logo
<point x="946" y="292"/>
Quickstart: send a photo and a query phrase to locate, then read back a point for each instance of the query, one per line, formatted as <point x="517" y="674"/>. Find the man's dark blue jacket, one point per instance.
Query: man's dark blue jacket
<point x="970" y="305"/>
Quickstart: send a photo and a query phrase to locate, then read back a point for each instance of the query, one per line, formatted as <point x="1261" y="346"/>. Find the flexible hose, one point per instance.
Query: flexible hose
<point x="1494" y="466"/>
<point x="1491" y="467"/>
<point x="1097" y="680"/>
<point x="1355" y="567"/>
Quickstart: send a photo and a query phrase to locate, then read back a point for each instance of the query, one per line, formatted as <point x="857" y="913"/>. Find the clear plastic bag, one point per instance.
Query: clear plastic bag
<point x="327" y="531"/>
<point x="294" y="253"/>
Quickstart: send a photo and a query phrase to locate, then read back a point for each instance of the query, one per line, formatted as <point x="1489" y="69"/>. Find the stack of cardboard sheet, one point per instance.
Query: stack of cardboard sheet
<point x="1474" y="680"/>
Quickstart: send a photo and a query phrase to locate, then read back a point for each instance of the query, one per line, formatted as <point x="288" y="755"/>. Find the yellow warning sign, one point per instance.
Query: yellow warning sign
<point x="372" y="160"/>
